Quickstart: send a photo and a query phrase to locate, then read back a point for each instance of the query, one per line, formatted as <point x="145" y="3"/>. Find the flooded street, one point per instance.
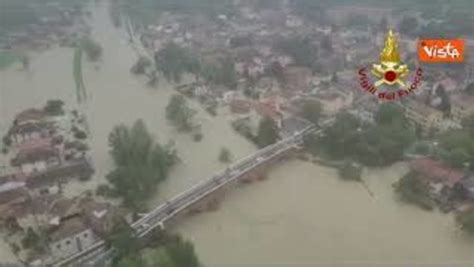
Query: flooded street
<point x="301" y="216"/>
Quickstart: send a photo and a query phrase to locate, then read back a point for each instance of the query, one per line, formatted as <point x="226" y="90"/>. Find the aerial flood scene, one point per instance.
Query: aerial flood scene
<point x="237" y="133"/>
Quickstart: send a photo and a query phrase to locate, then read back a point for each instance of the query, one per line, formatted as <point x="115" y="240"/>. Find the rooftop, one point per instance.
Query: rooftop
<point x="68" y="228"/>
<point x="436" y="171"/>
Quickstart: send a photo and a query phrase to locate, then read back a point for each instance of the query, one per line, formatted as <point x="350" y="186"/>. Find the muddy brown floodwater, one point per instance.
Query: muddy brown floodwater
<point x="302" y="215"/>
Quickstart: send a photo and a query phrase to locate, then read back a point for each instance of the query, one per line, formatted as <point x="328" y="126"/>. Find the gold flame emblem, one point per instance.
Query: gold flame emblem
<point x="390" y="70"/>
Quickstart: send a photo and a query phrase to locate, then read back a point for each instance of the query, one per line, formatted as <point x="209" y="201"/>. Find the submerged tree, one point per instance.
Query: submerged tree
<point x="179" y="114"/>
<point x="140" y="164"/>
<point x="225" y="156"/>
<point x="267" y="132"/>
<point x="173" y="61"/>
<point x="81" y="94"/>
<point x="92" y="48"/>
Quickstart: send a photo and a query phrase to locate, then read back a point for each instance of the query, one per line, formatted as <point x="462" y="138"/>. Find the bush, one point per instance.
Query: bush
<point x="54" y="107"/>
<point x="225" y="156"/>
<point x="7" y="141"/>
<point x="104" y="190"/>
<point x="92" y="48"/>
<point x="350" y="171"/>
<point x="80" y="135"/>
<point x="466" y="221"/>
<point x="412" y="190"/>
<point x="197" y="137"/>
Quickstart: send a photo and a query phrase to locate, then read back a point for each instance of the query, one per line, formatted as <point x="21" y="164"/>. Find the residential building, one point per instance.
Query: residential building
<point x="426" y="118"/>
<point x="436" y="172"/>
<point x="462" y="106"/>
<point x="71" y="236"/>
<point x="48" y="181"/>
<point x="28" y="131"/>
<point x="37" y="159"/>
<point x="31" y="115"/>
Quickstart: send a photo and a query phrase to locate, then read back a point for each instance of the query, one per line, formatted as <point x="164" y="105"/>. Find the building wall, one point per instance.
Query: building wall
<point x="28" y="168"/>
<point x="72" y="245"/>
<point x="20" y="138"/>
<point x="426" y="122"/>
<point x="32" y="221"/>
<point x="460" y="112"/>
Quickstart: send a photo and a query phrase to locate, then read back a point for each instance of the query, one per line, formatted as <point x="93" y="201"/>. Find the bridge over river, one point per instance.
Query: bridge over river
<point x="162" y="214"/>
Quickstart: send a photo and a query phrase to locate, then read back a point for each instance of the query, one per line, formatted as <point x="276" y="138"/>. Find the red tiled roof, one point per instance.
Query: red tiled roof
<point x="34" y="155"/>
<point x="30" y="115"/>
<point x="436" y="171"/>
<point x="266" y="110"/>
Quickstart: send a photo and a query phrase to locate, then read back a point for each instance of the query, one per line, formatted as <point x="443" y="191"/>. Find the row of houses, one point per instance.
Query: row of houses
<point x="44" y="157"/>
<point x="431" y="119"/>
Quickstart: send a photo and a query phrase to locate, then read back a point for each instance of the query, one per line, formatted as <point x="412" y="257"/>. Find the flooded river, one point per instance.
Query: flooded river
<point x="301" y="216"/>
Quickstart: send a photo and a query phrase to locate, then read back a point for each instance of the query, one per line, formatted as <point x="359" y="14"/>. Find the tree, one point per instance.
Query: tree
<point x="457" y="148"/>
<point x="389" y="113"/>
<point x="54" y="107"/>
<point x="277" y="71"/>
<point x="267" y="132"/>
<point x="123" y="239"/>
<point x="179" y="113"/>
<point x="470" y="88"/>
<point x="468" y="124"/>
<point x="221" y="73"/>
<point x="445" y="105"/>
<point x="302" y="50"/>
<point x="173" y="61"/>
<point x="334" y="77"/>
<point x="339" y="139"/>
<point x="466" y="220"/>
<point x="92" y="48"/>
<point x="311" y="110"/>
<point x="326" y="44"/>
<point x="225" y="156"/>
<point x="141" y="65"/>
<point x="412" y="190"/>
<point x="31" y="239"/>
<point x="182" y="253"/>
<point x="140" y="163"/>
<point x="350" y="171"/>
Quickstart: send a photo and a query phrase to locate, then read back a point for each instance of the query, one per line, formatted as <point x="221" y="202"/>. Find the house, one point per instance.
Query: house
<point x="80" y="223"/>
<point x="462" y="106"/>
<point x="270" y="108"/>
<point x="466" y="186"/>
<point x="436" y="172"/>
<point x="70" y="237"/>
<point x="36" y="159"/>
<point x="22" y="132"/>
<point x="30" y="116"/>
<point x="423" y="116"/>
<point x="43" y="211"/>
<point x="12" y="198"/>
<point x="101" y="217"/>
<point x="48" y="181"/>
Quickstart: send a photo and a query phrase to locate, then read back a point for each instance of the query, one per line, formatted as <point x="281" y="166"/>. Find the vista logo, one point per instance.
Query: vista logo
<point x="441" y="51"/>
